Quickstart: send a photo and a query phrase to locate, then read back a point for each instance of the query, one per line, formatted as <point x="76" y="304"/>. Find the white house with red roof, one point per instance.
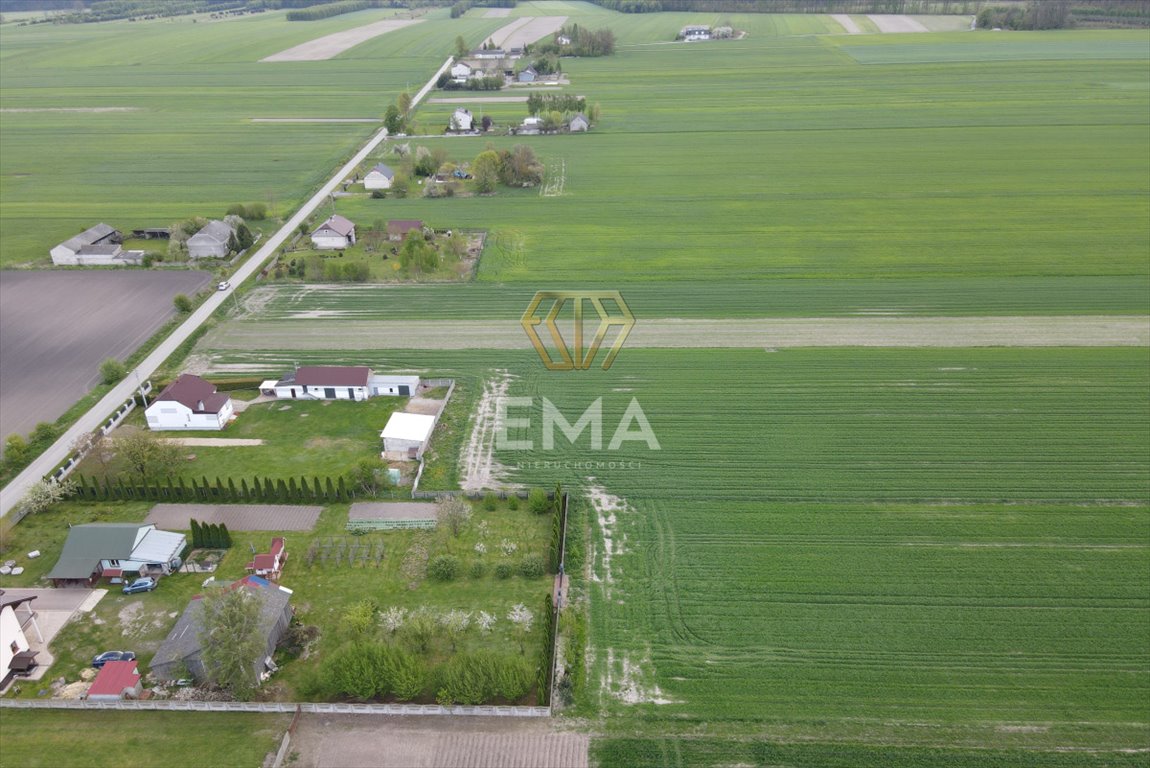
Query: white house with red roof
<point x="269" y="564"/>
<point x="339" y="382"/>
<point x="116" y="680"/>
<point x="336" y="232"/>
<point x="190" y="402"/>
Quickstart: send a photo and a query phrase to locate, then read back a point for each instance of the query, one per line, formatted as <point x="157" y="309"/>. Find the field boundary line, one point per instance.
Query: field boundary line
<point x="282" y="707"/>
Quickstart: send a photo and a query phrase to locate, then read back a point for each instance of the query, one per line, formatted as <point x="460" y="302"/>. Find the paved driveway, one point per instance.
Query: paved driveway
<point x="238" y="517"/>
<point x="53" y="607"/>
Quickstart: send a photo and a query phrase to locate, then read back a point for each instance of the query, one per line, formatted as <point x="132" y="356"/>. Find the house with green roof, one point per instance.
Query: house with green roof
<point x="113" y="550"/>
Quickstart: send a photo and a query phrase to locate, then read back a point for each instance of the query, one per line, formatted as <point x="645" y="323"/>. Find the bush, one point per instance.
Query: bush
<point x="513" y="503"/>
<point x="538" y="502"/>
<point x="503" y="570"/>
<point x="182" y="303"/>
<point x="477" y="570"/>
<point x="490" y="502"/>
<point x="112" y="370"/>
<point x="443" y="568"/>
<point x="531" y="567"/>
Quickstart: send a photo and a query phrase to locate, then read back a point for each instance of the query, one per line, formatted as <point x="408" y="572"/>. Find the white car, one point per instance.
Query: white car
<point x="225" y="285"/>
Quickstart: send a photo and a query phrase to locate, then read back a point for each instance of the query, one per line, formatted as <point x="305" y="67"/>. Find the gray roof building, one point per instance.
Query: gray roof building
<point x="211" y="241"/>
<point x="182" y="649"/>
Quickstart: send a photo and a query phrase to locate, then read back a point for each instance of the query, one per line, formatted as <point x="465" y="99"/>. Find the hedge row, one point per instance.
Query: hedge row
<point x="265" y="490"/>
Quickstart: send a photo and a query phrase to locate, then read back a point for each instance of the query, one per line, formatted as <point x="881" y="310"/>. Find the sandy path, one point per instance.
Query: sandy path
<point x="497" y="13"/>
<point x="350" y="741"/>
<point x="479" y="468"/>
<point x="329" y="46"/>
<point x="526" y="30"/>
<point x="896" y="23"/>
<point x="1069" y="331"/>
<point x="847" y="23"/>
<point x="214" y="442"/>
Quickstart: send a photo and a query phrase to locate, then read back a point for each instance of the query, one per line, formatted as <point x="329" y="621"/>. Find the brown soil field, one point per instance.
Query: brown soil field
<point x="56" y="327"/>
<point x="351" y="741"/>
<point x="526" y="30"/>
<point x="330" y="46"/>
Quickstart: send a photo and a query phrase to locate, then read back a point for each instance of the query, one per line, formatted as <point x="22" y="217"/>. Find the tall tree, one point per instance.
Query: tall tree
<point x="148" y="456"/>
<point x="230" y="640"/>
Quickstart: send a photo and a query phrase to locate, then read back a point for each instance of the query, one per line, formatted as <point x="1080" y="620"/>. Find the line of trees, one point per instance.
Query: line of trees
<point x="259" y="489"/>
<point x="967" y="7"/>
<point x="584" y="42"/>
<point x="463" y="6"/>
<point x="317" y="12"/>
<point x="1048" y="14"/>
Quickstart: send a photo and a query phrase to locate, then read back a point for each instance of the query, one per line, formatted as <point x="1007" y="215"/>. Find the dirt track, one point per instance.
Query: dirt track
<point x="526" y="30"/>
<point x="330" y="46"/>
<point x="847" y="23"/>
<point x="351" y="741"/>
<point x="895" y="23"/>
<point x="1068" y="331"/>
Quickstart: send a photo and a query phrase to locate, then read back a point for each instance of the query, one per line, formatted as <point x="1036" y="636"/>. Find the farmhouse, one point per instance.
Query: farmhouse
<point x="211" y="242"/>
<point x="531" y="126"/>
<point x="321" y="382"/>
<point x="96" y="246"/>
<point x="462" y="121"/>
<point x="406" y="435"/>
<point x="397" y="229"/>
<point x="116" y="680"/>
<point x="379" y="177"/>
<point x="269" y="564"/>
<point x="181" y="649"/>
<point x="527" y="75"/>
<point x="113" y="550"/>
<point x="461" y="71"/>
<point x="336" y="232"/>
<point x="189" y="402"/>
<point x="694" y="32"/>
<point x="579" y="123"/>
<point x="16" y="657"/>
<point x="489" y="53"/>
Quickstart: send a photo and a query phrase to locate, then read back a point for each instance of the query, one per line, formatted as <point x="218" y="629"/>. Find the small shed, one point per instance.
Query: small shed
<point x="391" y="384"/>
<point x="116" y="680"/>
<point x="397" y="229"/>
<point x="528" y="75"/>
<point x="407" y="434"/>
<point x="579" y="123"/>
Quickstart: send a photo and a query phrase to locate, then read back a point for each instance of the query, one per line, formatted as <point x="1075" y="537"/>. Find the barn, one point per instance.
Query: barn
<point x="406" y="435"/>
<point x="211" y="242"/>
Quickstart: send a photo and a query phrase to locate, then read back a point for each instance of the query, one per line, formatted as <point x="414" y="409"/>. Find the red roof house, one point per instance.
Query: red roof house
<point x="116" y="680"/>
<point x="270" y="564"/>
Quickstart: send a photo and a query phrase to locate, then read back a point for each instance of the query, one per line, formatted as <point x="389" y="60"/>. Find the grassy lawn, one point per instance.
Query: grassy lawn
<point x="301" y="438"/>
<point x="52" y="739"/>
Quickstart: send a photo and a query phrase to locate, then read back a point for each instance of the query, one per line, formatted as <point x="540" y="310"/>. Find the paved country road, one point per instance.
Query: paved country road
<point x="11" y="494"/>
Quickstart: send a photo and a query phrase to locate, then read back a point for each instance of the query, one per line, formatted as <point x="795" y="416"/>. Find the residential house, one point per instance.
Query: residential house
<point x="693" y="32"/>
<point x="397" y="229"/>
<point x="16" y="656"/>
<point x="531" y="126"/>
<point x="379" y="177"/>
<point x="406" y="435"/>
<point x="563" y="40"/>
<point x="324" y="382"/>
<point x="527" y="75"/>
<point x="181" y="650"/>
<point x="116" y="550"/>
<point x="116" y="680"/>
<point x="462" y="121"/>
<point x="189" y="402"/>
<point x="212" y="242"/>
<point x="95" y="246"/>
<point x="461" y="71"/>
<point x="489" y="54"/>
<point x="336" y="232"/>
<point x="269" y="564"/>
<point x="579" y="123"/>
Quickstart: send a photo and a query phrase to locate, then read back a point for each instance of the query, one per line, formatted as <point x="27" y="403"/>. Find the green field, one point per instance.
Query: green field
<point x="888" y="557"/>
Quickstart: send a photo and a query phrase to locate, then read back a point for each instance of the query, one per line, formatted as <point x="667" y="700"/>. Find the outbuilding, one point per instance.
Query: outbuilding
<point x="116" y="680"/>
<point x="579" y="123"/>
<point x="212" y="242"/>
<point x="325" y="382"/>
<point x="406" y="435"/>
<point x="116" y="550"/>
<point x="397" y="229"/>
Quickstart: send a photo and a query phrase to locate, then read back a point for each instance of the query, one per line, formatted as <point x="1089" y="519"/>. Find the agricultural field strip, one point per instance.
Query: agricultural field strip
<point x="330" y="46"/>
<point x="847" y="23"/>
<point x="896" y="23"/>
<point x="310" y="331"/>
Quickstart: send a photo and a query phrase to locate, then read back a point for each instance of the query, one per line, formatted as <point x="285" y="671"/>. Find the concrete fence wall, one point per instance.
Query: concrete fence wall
<point x="420" y="710"/>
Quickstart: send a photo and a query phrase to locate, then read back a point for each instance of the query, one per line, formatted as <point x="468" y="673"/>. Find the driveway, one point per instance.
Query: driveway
<point x="53" y="608"/>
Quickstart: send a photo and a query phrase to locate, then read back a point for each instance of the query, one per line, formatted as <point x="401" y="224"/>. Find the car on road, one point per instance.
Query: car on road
<point x="146" y="584"/>
<point x="225" y="285"/>
<point x="107" y="656"/>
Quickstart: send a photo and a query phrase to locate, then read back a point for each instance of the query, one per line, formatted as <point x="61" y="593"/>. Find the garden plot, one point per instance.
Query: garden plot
<point x="238" y="517"/>
<point x="330" y="46"/>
